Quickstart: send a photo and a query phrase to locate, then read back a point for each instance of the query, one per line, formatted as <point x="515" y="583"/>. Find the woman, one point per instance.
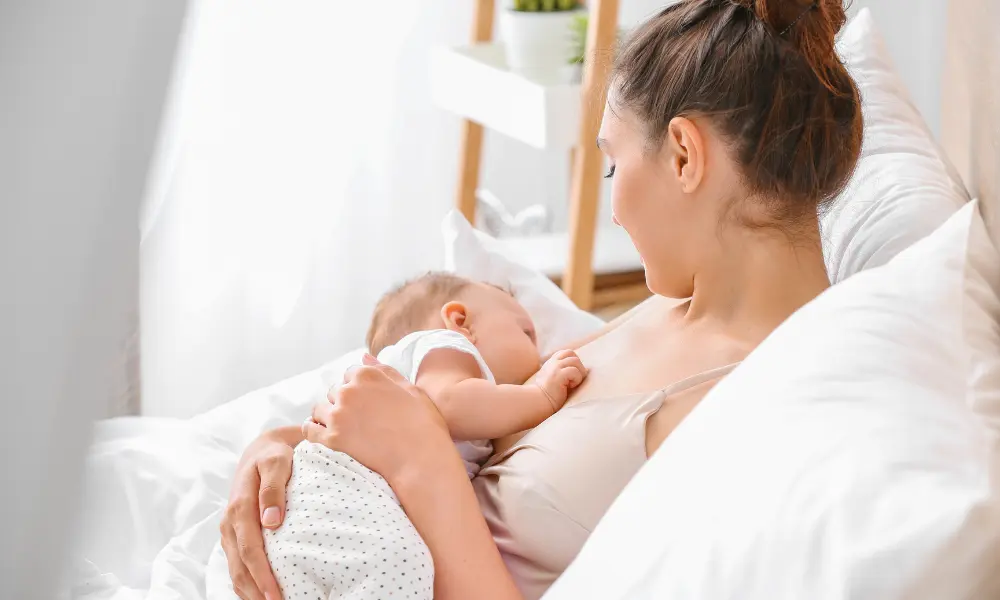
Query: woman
<point x="728" y="124"/>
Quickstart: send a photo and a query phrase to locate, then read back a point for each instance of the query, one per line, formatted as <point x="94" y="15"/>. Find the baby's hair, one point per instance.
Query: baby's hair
<point x="408" y="307"/>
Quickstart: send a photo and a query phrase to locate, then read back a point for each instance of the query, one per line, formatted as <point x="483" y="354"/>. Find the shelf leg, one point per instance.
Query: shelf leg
<point x="471" y="151"/>
<point x="585" y="191"/>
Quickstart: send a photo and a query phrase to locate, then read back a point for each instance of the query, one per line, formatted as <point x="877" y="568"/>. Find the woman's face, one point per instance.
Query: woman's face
<point x="657" y="197"/>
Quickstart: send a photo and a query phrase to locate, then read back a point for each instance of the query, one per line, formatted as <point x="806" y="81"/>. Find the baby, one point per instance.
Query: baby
<point x="470" y="347"/>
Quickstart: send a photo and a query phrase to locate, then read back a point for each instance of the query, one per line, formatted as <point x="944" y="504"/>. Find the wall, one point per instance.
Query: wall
<point x="913" y="30"/>
<point x="81" y="85"/>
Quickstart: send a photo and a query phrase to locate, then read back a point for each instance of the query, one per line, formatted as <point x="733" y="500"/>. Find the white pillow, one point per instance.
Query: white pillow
<point x="474" y="254"/>
<point x="840" y="460"/>
<point x="904" y="187"/>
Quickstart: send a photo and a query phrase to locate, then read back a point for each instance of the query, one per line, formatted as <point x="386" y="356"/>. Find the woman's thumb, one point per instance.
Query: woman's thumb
<point x="369" y="361"/>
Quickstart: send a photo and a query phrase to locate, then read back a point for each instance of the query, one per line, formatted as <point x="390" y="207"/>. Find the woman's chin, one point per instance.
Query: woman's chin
<point x="663" y="288"/>
<point x="650" y="281"/>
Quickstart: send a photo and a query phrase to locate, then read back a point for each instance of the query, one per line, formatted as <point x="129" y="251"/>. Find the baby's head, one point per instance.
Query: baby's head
<point x="489" y="317"/>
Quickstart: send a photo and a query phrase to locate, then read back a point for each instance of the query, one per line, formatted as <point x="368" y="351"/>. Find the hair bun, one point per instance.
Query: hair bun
<point x="811" y="26"/>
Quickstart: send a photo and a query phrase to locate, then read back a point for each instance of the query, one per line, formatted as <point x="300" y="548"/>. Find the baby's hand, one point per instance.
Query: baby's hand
<point x="560" y="374"/>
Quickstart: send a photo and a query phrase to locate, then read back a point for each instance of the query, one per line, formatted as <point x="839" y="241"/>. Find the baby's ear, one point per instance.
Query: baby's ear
<point x="455" y="317"/>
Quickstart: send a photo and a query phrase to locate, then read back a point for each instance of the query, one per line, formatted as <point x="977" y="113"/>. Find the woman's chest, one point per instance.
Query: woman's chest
<point x="639" y="357"/>
<point x="544" y="496"/>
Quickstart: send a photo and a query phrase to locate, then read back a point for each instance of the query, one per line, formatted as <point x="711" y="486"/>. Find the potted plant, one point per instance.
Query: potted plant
<point x="537" y="36"/>
<point x="578" y="44"/>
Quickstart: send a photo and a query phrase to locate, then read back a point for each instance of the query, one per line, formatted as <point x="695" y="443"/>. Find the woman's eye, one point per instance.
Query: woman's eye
<point x="611" y="173"/>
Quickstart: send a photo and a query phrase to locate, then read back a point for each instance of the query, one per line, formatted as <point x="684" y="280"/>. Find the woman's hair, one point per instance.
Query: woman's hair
<point x="766" y="76"/>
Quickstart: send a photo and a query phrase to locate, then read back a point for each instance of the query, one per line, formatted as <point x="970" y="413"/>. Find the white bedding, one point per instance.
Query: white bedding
<point x="156" y="489"/>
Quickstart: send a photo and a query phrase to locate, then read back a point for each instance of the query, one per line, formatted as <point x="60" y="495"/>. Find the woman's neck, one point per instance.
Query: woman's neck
<point x="759" y="278"/>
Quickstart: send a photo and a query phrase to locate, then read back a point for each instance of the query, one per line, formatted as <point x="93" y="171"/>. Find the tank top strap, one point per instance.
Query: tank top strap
<point x="698" y="379"/>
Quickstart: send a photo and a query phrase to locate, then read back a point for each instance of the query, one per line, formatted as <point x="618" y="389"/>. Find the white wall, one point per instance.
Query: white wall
<point x="914" y="32"/>
<point x="81" y="85"/>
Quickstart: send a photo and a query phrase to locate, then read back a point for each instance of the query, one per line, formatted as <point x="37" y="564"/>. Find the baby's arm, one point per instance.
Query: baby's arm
<point x="476" y="409"/>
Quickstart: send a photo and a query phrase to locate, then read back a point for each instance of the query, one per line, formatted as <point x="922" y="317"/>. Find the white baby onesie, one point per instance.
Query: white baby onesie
<point x="345" y="534"/>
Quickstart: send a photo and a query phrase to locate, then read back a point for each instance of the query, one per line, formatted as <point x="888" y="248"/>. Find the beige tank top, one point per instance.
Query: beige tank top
<point x="544" y="495"/>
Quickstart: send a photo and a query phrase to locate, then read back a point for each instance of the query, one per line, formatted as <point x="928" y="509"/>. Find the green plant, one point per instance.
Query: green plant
<point x="545" y="5"/>
<point x="578" y="39"/>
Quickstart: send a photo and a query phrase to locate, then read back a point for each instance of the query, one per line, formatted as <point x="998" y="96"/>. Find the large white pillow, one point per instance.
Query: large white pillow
<point x="904" y="186"/>
<point x="840" y="460"/>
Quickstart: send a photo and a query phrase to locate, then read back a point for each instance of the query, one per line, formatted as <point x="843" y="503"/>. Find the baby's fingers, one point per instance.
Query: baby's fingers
<point x="573" y="376"/>
<point x="575" y="362"/>
<point x="561" y="354"/>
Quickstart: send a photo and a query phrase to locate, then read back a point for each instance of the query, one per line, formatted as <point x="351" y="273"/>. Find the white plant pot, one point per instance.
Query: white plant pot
<point x="538" y="45"/>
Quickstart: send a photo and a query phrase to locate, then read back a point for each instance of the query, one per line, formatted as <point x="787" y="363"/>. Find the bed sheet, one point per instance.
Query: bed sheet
<point x="155" y="490"/>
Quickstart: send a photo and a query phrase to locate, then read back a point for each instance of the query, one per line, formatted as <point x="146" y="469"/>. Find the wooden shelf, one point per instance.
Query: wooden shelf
<point x="474" y="82"/>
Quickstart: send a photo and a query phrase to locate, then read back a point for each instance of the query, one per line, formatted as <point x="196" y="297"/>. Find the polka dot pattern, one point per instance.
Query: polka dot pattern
<point x="345" y="535"/>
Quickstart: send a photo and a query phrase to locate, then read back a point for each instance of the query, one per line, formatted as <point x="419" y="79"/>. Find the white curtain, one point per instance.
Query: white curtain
<point x="302" y="171"/>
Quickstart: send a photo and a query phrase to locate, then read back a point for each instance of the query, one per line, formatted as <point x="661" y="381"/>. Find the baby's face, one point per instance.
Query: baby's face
<point x="503" y="333"/>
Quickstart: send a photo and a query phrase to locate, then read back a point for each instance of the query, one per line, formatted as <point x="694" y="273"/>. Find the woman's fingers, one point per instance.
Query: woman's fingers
<point x="250" y="547"/>
<point x="275" y="472"/>
<point x="372" y="372"/>
<point x="321" y="413"/>
<point x="243" y="584"/>
<point x="317" y="434"/>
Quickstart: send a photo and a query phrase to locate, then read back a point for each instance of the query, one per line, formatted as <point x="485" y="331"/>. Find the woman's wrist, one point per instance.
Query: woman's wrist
<point x="424" y="468"/>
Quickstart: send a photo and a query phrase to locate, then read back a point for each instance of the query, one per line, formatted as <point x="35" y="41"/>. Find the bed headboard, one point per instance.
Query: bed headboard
<point x="970" y="108"/>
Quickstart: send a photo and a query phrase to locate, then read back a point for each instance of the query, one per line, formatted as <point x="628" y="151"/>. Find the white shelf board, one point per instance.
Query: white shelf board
<point x="474" y="82"/>
<point x="613" y="252"/>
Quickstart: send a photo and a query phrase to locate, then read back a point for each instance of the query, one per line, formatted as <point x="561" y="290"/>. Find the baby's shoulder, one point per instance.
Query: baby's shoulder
<point x="429" y="339"/>
<point x="406" y="355"/>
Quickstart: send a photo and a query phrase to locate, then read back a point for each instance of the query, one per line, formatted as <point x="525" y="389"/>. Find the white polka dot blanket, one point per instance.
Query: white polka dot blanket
<point x="345" y="536"/>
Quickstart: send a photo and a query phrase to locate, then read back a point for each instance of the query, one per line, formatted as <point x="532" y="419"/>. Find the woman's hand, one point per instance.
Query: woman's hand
<point x="384" y="422"/>
<point x="257" y="498"/>
<point x="394" y="429"/>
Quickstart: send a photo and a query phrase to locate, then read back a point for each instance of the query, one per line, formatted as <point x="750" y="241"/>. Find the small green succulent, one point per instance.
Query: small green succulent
<point x="578" y="39"/>
<point x="545" y="5"/>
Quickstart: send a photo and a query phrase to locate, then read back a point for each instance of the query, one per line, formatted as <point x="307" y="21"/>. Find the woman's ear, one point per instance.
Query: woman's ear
<point x="456" y="318"/>
<point x="686" y="153"/>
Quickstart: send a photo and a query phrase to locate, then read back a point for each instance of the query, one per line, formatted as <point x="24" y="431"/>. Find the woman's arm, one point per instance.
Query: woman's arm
<point x="393" y="428"/>
<point x="442" y="505"/>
